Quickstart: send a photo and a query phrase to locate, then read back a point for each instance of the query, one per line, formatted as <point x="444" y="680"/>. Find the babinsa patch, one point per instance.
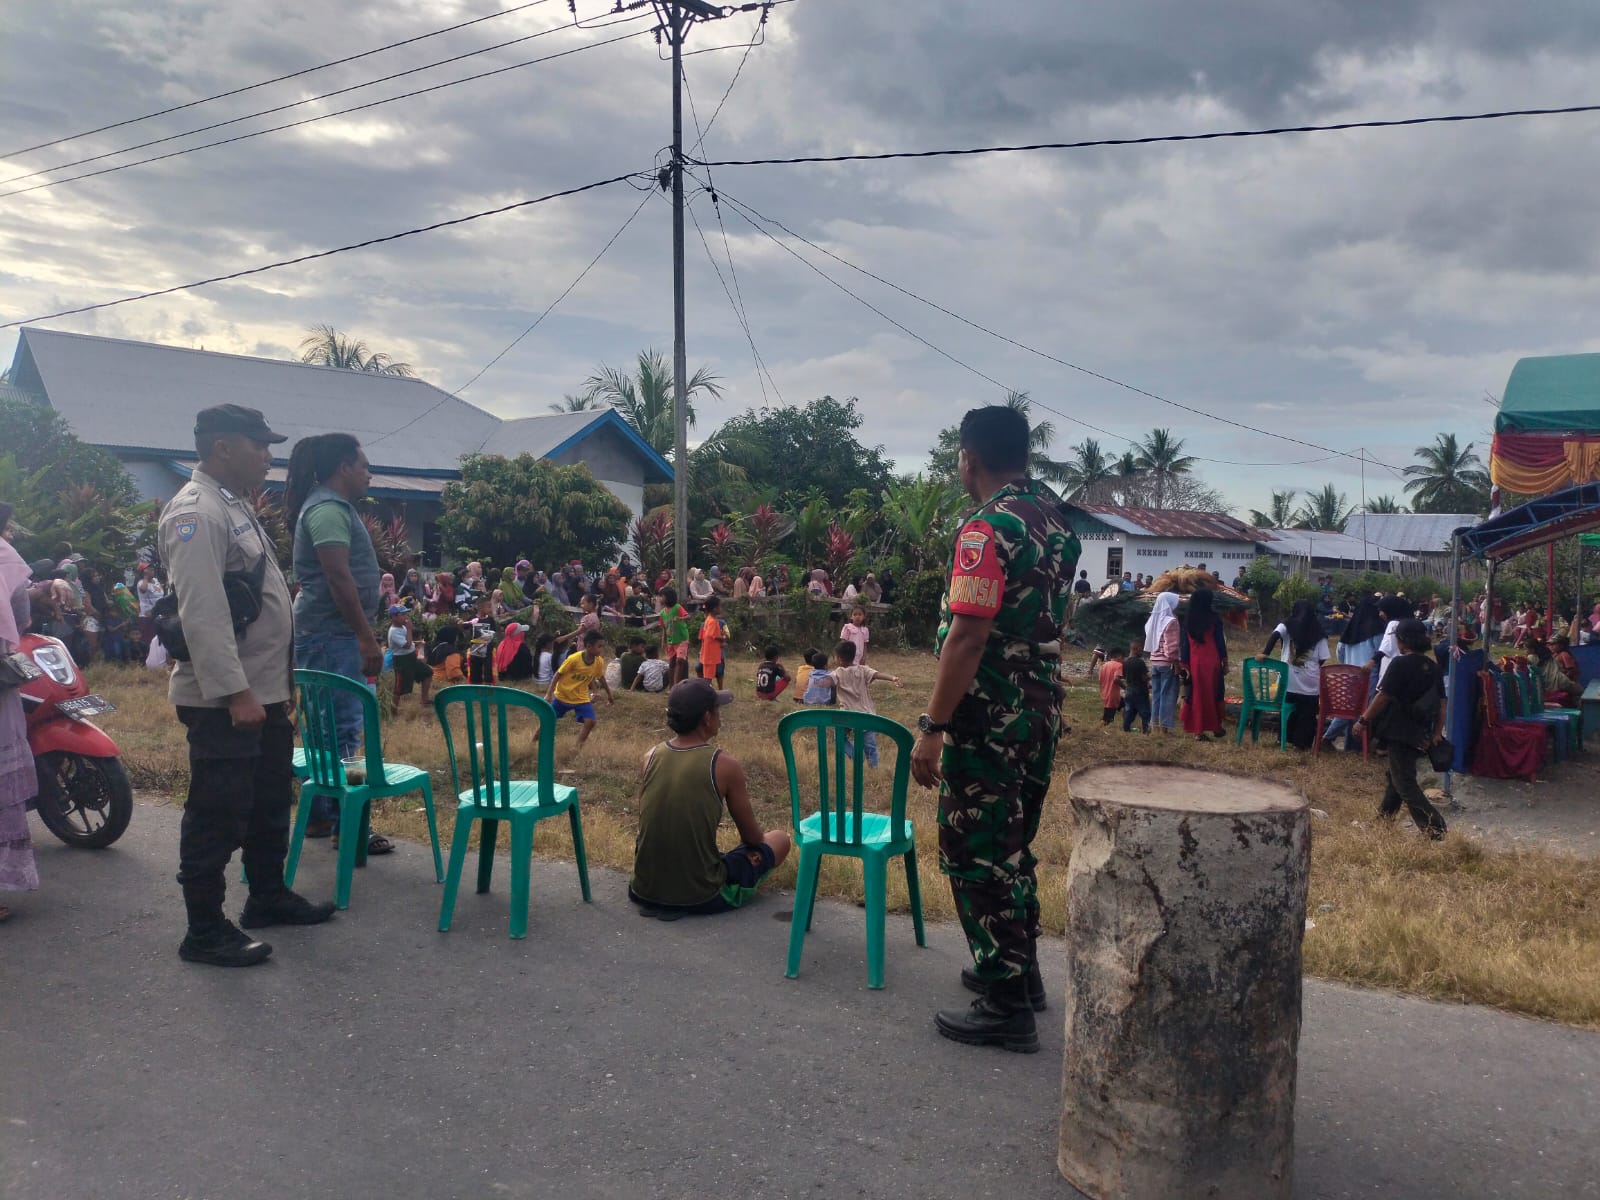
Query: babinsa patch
<point x="970" y="548"/>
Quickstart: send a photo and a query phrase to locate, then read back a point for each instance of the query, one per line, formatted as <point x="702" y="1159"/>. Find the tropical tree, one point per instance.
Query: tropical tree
<point x="838" y="551"/>
<point x="55" y="512"/>
<point x="645" y="397"/>
<point x="1085" y="470"/>
<point x="765" y="529"/>
<point x="653" y="542"/>
<point x="721" y="545"/>
<point x="325" y="346"/>
<point x="1041" y="436"/>
<point x="1385" y="504"/>
<point x="814" y="447"/>
<point x="1449" y="478"/>
<point x="1326" y="510"/>
<point x="501" y="506"/>
<point x="1280" y="513"/>
<point x="1162" y="456"/>
<point x="922" y="515"/>
<point x="37" y="435"/>
<point x="576" y="404"/>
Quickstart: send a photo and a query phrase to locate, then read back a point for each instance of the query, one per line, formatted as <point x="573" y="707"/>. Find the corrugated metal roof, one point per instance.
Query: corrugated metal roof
<point x="1412" y="533"/>
<point x="1319" y="543"/>
<point x="1173" y="523"/>
<point x="422" y="487"/>
<point x="143" y="396"/>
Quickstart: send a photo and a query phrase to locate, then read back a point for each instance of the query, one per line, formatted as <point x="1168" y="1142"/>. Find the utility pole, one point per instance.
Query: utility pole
<point x="677" y="17"/>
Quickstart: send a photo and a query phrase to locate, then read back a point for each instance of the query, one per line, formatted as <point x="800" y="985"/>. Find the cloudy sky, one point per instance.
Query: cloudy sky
<point x="1356" y="289"/>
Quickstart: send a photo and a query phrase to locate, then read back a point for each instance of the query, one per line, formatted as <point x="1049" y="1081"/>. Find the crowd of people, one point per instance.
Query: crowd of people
<point x="999" y="669"/>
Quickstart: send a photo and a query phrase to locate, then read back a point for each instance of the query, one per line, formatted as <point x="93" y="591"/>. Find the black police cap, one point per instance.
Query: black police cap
<point x="236" y="418"/>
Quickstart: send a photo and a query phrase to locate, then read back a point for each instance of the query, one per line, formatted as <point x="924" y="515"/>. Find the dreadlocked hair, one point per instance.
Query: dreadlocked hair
<point x="314" y="461"/>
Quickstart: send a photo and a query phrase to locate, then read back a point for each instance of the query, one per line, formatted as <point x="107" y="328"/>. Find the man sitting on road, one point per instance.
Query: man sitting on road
<point x="677" y="868"/>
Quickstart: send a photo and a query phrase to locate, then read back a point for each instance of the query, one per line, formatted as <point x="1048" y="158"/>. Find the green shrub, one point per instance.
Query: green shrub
<point x="1294" y="587"/>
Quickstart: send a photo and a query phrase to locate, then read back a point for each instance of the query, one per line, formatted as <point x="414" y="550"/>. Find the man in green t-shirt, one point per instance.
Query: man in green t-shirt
<point x="675" y="634"/>
<point x="688" y="784"/>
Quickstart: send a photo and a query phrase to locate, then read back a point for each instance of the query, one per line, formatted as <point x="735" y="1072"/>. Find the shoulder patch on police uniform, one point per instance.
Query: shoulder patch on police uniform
<point x="185" y="525"/>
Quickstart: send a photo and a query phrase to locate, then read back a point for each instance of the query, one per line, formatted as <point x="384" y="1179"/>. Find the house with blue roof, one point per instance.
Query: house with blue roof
<point x="138" y="401"/>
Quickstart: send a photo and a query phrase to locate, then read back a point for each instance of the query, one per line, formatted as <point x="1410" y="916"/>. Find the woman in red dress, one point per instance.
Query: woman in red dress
<point x="1204" y="654"/>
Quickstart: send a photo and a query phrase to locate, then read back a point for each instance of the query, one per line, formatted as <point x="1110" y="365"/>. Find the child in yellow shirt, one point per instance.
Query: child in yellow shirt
<point x="569" y="690"/>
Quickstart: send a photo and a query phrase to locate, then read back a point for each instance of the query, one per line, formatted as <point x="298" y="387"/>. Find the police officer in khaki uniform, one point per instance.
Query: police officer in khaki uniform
<point x="234" y="695"/>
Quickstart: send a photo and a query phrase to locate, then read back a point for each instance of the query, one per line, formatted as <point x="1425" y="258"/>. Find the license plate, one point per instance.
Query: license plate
<point x="85" y="706"/>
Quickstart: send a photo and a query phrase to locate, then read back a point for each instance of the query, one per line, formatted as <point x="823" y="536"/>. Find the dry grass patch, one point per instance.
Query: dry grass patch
<point x="1516" y="929"/>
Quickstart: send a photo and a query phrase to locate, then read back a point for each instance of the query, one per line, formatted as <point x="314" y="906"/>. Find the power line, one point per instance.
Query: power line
<point x="241" y="137"/>
<point x="728" y="91"/>
<point x="746" y="211"/>
<point x="740" y="211"/>
<point x="738" y="314"/>
<point x="239" y="91"/>
<point x="649" y="193"/>
<point x="736" y="296"/>
<point x="267" y="112"/>
<point x="1148" y="141"/>
<point x="376" y="241"/>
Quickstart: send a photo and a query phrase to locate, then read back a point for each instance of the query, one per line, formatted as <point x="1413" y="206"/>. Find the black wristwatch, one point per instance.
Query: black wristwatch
<point x="926" y="724"/>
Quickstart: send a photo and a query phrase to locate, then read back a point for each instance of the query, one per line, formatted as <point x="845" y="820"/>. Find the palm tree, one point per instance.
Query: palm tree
<point x="1085" y="470"/>
<point x="1280" y="515"/>
<point x="576" y="404"/>
<point x="1327" y="510"/>
<point x="1385" y="504"/>
<point x="1450" y="478"/>
<point x="645" y="398"/>
<point x="1162" y="455"/>
<point x="325" y="346"/>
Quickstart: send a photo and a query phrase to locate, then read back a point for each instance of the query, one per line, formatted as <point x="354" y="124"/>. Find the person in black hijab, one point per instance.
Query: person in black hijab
<point x="1305" y="650"/>
<point x="1358" y="646"/>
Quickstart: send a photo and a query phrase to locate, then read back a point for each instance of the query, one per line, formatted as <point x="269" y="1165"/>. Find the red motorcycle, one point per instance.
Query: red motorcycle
<point x="84" y="795"/>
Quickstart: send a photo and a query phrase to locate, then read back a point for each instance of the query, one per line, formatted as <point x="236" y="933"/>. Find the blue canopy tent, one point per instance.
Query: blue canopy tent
<point x="1540" y="522"/>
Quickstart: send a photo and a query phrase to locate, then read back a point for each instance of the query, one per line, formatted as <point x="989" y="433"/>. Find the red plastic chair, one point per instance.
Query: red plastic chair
<point x="1342" y="694"/>
<point x="1507" y="749"/>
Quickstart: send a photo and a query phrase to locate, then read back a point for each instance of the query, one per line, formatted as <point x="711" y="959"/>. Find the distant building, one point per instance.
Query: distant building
<point x="1312" y="550"/>
<point x="1426" y="537"/>
<point x="1149" y="541"/>
<point x="138" y="401"/>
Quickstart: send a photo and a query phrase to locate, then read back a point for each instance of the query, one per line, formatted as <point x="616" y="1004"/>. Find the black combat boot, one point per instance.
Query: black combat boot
<point x="971" y="981"/>
<point x="219" y="943"/>
<point x="283" y="908"/>
<point x="1002" y="1016"/>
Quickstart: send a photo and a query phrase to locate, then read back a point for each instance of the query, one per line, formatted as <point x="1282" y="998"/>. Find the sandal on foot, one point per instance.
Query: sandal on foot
<point x="378" y="844"/>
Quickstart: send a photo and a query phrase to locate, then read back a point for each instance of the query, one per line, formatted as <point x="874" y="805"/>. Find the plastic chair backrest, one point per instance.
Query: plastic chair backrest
<point x="1266" y="681"/>
<point x="1491" y="698"/>
<point x="486" y="709"/>
<point x="1344" y="690"/>
<point x="838" y="797"/>
<point x="317" y="706"/>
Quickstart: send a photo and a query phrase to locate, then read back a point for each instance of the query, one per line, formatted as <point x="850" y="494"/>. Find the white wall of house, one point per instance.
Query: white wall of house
<point x="1147" y="556"/>
<point x="614" y="462"/>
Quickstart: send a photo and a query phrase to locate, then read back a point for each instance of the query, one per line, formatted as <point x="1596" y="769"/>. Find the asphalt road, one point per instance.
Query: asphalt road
<point x="611" y="1056"/>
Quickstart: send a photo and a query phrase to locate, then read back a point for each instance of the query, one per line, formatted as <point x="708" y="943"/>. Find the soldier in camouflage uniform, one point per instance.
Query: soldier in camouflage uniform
<point x="989" y="734"/>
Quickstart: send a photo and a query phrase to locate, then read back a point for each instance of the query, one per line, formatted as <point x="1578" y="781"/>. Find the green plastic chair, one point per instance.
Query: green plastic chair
<point x="1266" y="690"/>
<point x="1535" y="683"/>
<point x="840" y="826"/>
<point x="487" y="793"/>
<point x="324" y="774"/>
<point x="1528" y="703"/>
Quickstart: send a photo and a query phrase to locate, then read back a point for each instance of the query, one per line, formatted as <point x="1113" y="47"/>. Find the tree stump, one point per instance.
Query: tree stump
<point x="1186" y="907"/>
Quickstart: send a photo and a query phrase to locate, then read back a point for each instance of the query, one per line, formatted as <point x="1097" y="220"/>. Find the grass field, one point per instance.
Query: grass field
<point x="1515" y="929"/>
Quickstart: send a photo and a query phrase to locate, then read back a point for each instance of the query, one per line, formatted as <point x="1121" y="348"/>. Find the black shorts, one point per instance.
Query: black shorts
<point x="744" y="877"/>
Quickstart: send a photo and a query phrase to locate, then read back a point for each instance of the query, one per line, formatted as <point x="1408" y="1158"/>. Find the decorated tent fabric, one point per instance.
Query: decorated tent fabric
<point x="1537" y="463"/>
<point x="1547" y="433"/>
